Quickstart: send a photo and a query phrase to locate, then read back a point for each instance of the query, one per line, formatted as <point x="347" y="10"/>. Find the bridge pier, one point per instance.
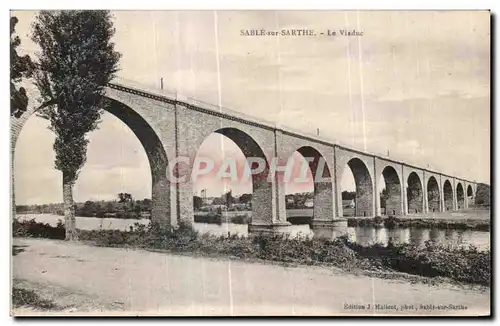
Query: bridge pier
<point x="268" y="207"/>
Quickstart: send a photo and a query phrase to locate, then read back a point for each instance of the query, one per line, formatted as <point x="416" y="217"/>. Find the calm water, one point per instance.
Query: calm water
<point x="363" y="235"/>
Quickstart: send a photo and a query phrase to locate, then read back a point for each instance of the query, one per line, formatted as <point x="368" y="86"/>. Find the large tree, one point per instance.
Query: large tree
<point x="76" y="61"/>
<point x="20" y="67"/>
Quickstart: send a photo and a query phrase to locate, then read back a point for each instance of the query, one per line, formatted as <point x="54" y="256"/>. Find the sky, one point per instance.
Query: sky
<point x="415" y="86"/>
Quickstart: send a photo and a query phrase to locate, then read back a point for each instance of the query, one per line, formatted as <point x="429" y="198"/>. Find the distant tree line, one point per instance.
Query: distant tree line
<point x="125" y="207"/>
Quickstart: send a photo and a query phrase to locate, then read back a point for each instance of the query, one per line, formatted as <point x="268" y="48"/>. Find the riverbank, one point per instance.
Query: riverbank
<point x="480" y="220"/>
<point x="87" y="280"/>
<point x="463" y="264"/>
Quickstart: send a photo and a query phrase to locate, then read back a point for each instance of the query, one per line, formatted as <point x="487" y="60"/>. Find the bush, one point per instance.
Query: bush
<point x="34" y="229"/>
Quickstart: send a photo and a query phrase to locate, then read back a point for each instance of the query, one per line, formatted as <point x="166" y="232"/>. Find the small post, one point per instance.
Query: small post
<point x="317" y="131"/>
<point x="161" y="83"/>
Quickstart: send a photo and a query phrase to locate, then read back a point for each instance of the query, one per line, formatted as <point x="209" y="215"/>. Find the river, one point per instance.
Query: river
<point x="364" y="235"/>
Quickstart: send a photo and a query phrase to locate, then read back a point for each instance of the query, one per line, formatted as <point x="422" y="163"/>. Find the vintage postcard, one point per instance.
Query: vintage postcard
<point x="250" y="163"/>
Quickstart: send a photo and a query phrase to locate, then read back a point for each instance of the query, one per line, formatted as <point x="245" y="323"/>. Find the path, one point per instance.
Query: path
<point x="143" y="282"/>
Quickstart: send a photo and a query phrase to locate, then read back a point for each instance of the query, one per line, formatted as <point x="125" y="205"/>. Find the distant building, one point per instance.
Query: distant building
<point x="348" y="203"/>
<point x="309" y="203"/>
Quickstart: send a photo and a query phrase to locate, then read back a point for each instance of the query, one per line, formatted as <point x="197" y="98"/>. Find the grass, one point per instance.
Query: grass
<point x="458" y="262"/>
<point x="28" y="298"/>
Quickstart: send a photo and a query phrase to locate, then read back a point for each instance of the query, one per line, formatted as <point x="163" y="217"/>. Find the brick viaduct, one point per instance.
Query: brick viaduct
<point x="170" y="126"/>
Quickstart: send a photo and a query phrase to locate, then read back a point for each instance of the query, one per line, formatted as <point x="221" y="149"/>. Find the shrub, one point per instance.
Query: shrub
<point x="34" y="229"/>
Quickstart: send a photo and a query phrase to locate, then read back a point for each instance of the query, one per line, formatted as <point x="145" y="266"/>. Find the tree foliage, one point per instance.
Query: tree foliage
<point x="229" y="198"/>
<point x="246" y="198"/>
<point x="76" y="61"/>
<point x="384" y="196"/>
<point x="20" y="67"/>
<point x="483" y="194"/>
<point x="124" y="197"/>
<point x="197" y="203"/>
<point x="348" y="195"/>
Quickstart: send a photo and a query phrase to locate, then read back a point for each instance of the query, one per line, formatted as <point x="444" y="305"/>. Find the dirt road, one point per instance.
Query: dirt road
<point x="137" y="282"/>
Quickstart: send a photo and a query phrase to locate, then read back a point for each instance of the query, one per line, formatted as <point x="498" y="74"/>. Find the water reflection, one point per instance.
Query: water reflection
<point x="369" y="235"/>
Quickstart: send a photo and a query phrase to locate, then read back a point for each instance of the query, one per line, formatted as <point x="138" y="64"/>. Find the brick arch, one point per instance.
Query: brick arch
<point x="261" y="187"/>
<point x="143" y="129"/>
<point x="460" y="196"/>
<point x="448" y="195"/>
<point x="414" y="194"/>
<point x="322" y="179"/>
<point x="393" y="188"/>
<point x="364" y="187"/>
<point x="433" y="194"/>
<point x="155" y="151"/>
<point x="244" y="141"/>
<point x="470" y="191"/>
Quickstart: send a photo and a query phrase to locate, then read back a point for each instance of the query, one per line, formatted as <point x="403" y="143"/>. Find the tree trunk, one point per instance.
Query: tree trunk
<point x="69" y="211"/>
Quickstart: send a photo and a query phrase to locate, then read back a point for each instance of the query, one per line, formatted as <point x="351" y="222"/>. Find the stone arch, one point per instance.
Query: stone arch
<point x="460" y="196"/>
<point x="157" y="157"/>
<point x="393" y="188"/>
<point x="323" y="187"/>
<point x="414" y="194"/>
<point x="470" y="191"/>
<point x="261" y="188"/>
<point x="364" y="187"/>
<point x="448" y="195"/>
<point x="433" y="195"/>
<point x="148" y="137"/>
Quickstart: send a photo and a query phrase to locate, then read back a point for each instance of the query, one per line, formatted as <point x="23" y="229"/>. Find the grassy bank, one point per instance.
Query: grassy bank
<point x="461" y="263"/>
